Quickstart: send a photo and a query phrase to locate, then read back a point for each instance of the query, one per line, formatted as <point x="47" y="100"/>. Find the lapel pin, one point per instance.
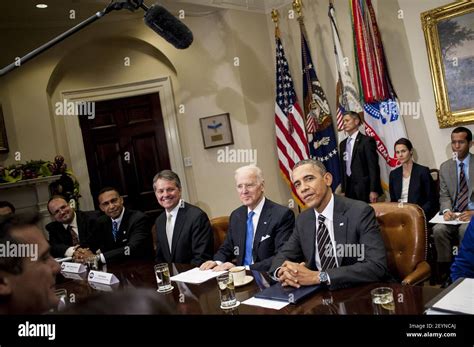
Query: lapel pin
<point x="341" y="224"/>
<point x="264" y="222"/>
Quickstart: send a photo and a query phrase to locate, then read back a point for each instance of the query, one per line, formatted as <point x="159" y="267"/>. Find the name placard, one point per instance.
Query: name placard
<point x="102" y="277"/>
<point x="76" y="268"/>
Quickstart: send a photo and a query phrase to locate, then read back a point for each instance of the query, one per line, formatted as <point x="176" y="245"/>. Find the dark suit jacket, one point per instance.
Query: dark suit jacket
<point x="274" y="228"/>
<point x="134" y="240"/>
<point x="365" y="170"/>
<point x="60" y="239"/>
<point x="421" y="190"/>
<point x="354" y="223"/>
<point x="193" y="240"/>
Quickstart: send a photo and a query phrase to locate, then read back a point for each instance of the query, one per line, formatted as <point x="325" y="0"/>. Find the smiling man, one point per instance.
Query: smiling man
<point x="257" y="229"/>
<point x="184" y="233"/>
<point x="336" y="241"/>
<point x="26" y="283"/>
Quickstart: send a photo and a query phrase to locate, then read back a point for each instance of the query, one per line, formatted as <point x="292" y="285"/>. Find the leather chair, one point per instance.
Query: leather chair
<point x="219" y="226"/>
<point x="405" y="236"/>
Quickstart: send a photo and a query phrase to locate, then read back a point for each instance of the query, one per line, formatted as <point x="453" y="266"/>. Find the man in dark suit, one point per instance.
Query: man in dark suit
<point x="70" y="229"/>
<point x="456" y="198"/>
<point x="336" y="241"/>
<point x="359" y="162"/>
<point x="184" y="233"/>
<point x="257" y="230"/>
<point x="122" y="233"/>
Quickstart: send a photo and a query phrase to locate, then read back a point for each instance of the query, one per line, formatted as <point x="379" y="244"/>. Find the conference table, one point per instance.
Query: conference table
<point x="204" y="298"/>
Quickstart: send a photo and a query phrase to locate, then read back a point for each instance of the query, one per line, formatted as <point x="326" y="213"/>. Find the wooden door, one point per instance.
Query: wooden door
<point x="125" y="147"/>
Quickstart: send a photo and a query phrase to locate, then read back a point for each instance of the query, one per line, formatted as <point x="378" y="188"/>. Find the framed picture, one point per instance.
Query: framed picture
<point x="3" y="134"/>
<point x="216" y="131"/>
<point x="449" y="36"/>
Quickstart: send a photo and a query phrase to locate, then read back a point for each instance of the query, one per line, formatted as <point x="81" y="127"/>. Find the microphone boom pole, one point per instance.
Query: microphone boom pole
<point x="112" y="6"/>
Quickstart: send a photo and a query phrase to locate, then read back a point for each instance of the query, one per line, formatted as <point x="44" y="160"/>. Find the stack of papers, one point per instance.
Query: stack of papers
<point x="196" y="276"/>
<point x="458" y="298"/>
<point x="439" y="219"/>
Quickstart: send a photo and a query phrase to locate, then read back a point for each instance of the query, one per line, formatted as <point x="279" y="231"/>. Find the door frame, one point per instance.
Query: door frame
<point x="75" y="142"/>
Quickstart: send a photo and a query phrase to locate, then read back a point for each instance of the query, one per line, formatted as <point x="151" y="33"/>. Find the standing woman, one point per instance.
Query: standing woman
<point x="411" y="182"/>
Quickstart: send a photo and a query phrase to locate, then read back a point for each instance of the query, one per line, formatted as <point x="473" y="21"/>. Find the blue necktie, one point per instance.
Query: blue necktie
<point x="115" y="230"/>
<point x="249" y="239"/>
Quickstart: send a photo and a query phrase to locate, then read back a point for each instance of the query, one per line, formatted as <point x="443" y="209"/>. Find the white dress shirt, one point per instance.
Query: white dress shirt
<point x="119" y="221"/>
<point x="174" y="214"/>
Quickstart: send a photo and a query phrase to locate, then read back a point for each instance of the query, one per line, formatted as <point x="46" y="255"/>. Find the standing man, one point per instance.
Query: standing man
<point x="184" y="233"/>
<point x="27" y="279"/>
<point x="70" y="230"/>
<point x="122" y="233"/>
<point x="359" y="162"/>
<point x="336" y="241"/>
<point x="456" y="197"/>
<point x="257" y="229"/>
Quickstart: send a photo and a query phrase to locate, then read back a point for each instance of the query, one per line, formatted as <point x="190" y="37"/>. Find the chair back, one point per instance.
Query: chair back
<point x="219" y="226"/>
<point x="403" y="228"/>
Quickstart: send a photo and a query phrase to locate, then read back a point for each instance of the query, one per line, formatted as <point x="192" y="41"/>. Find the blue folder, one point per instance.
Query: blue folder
<point x="288" y="294"/>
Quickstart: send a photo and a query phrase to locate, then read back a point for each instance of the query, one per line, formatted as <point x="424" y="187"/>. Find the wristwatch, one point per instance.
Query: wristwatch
<point x="323" y="277"/>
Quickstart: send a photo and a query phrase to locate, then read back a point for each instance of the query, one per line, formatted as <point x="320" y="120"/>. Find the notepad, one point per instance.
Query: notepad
<point x="458" y="298"/>
<point x="196" y="276"/>
<point x="439" y="219"/>
<point x="288" y="294"/>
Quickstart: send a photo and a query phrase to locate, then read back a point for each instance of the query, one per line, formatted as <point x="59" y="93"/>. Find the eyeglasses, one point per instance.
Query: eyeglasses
<point x="249" y="186"/>
<point x="59" y="210"/>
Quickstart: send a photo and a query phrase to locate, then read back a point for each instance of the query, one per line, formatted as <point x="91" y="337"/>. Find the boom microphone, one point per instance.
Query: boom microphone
<point x="167" y="26"/>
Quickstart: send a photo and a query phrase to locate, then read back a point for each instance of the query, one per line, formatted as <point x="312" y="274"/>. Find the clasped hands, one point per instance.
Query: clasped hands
<point x="296" y="275"/>
<point x="81" y="254"/>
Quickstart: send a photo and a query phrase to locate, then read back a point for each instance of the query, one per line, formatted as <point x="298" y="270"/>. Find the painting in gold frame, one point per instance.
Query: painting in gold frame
<point x="449" y="36"/>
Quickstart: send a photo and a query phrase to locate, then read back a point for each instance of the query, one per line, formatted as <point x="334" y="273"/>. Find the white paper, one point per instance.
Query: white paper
<point x="60" y="260"/>
<point x="431" y="312"/>
<point x="460" y="299"/>
<point x="196" y="276"/>
<point x="273" y="304"/>
<point x="439" y="219"/>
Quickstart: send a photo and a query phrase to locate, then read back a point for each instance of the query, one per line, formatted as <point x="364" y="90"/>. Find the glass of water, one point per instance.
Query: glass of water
<point x="226" y="290"/>
<point x="162" y="273"/>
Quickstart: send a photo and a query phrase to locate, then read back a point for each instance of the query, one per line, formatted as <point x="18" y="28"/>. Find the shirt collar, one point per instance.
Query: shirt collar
<point x="328" y="212"/>
<point x="73" y="223"/>
<point x="258" y="209"/>
<point x="354" y="135"/>
<point x="174" y="211"/>
<point x="119" y="219"/>
<point x="465" y="161"/>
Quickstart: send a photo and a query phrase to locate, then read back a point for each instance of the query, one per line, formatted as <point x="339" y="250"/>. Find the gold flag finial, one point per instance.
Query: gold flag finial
<point x="297" y="6"/>
<point x="275" y="16"/>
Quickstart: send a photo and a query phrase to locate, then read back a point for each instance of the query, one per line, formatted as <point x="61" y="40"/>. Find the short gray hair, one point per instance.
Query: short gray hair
<point x="316" y="163"/>
<point x="250" y="168"/>
<point x="167" y="175"/>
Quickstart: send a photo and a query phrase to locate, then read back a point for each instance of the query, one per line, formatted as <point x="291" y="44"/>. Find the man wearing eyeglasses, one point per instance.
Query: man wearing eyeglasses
<point x="70" y="231"/>
<point x="257" y="229"/>
<point x="122" y="233"/>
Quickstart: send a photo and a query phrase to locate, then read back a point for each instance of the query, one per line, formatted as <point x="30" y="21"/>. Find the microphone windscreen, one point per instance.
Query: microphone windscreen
<point x="168" y="27"/>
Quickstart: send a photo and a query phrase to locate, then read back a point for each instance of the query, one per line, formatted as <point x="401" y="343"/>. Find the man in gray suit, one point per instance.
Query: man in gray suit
<point x="456" y="197"/>
<point x="336" y="241"/>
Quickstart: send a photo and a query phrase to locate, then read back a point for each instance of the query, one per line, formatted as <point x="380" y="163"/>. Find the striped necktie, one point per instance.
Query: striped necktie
<point x="325" y="250"/>
<point x="462" y="197"/>
<point x="75" y="239"/>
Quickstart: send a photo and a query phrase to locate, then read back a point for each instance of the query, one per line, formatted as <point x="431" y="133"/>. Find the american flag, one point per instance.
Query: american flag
<point x="292" y="144"/>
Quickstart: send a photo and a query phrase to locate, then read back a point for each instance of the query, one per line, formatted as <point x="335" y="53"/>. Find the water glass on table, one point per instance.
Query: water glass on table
<point x="162" y="274"/>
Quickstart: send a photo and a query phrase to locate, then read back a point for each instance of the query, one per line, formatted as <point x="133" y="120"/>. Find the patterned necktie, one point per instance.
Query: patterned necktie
<point x="348" y="156"/>
<point x="325" y="250"/>
<point x="75" y="239"/>
<point x="463" y="191"/>
<point x="169" y="230"/>
<point x="249" y="239"/>
<point x="115" y="230"/>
